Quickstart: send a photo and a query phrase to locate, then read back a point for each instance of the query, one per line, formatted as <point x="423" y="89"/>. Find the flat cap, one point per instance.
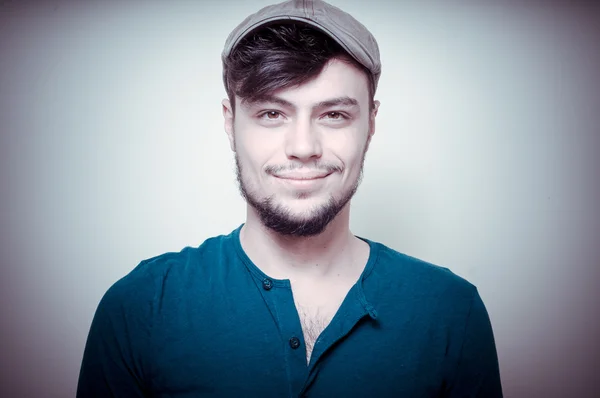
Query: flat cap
<point x="342" y="27"/>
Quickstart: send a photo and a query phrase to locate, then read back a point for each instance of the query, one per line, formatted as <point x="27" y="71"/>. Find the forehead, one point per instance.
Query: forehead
<point x="338" y="79"/>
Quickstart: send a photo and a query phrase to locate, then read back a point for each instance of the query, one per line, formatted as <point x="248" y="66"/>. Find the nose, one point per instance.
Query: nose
<point x="303" y="142"/>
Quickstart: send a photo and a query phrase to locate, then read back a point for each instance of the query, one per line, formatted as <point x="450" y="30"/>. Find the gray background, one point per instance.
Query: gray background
<point x="485" y="160"/>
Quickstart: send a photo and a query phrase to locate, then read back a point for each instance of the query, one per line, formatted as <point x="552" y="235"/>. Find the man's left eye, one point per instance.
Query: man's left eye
<point x="335" y="115"/>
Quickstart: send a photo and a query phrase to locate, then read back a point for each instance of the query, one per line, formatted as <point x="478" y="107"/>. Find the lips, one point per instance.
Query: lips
<point x="302" y="176"/>
<point x="303" y="180"/>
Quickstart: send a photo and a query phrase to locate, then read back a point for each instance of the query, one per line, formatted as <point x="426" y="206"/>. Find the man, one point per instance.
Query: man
<point x="291" y="303"/>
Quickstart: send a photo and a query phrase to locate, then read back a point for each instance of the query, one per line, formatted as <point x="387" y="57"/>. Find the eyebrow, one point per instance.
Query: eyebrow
<point x="273" y="99"/>
<point x="340" y="101"/>
<point x="267" y="99"/>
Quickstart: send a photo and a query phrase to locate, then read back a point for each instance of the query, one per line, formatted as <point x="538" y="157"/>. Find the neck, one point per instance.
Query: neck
<point x="286" y="257"/>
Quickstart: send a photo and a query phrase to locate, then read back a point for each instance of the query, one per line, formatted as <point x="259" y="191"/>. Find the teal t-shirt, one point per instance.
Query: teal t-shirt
<point x="208" y="322"/>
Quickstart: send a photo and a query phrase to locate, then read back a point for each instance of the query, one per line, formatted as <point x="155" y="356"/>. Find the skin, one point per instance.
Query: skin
<point x="302" y="149"/>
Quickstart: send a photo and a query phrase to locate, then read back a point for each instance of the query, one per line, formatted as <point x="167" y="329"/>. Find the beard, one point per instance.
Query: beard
<point x="281" y="220"/>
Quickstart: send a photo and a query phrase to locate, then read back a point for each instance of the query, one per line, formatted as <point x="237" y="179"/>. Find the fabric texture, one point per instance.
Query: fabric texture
<point x="208" y="322"/>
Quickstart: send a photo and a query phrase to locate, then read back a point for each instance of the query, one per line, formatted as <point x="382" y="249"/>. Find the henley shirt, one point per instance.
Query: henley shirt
<point x="207" y="322"/>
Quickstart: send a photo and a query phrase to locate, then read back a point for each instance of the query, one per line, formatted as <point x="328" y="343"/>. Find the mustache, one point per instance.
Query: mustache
<point x="317" y="168"/>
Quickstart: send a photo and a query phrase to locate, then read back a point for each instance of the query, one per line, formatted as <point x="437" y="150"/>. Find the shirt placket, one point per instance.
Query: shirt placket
<point x="278" y="297"/>
<point x="353" y="309"/>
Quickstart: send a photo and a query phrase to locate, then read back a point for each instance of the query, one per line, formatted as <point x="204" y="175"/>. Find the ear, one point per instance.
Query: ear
<point x="372" y="118"/>
<point x="228" y="120"/>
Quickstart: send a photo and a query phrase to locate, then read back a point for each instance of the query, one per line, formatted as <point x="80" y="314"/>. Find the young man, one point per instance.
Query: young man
<point x="291" y="303"/>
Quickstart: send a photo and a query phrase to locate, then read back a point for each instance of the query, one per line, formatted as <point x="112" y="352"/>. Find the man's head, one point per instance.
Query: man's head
<point x="300" y="115"/>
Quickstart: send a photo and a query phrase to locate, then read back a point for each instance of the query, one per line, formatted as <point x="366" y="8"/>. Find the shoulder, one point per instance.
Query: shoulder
<point x="152" y="278"/>
<point x="430" y="298"/>
<point x="403" y="273"/>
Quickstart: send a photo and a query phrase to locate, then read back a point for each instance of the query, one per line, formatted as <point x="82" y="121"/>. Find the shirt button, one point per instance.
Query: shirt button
<point x="294" y="342"/>
<point x="267" y="284"/>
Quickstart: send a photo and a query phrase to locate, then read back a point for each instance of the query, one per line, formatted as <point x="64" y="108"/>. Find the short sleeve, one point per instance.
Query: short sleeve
<point x="477" y="373"/>
<point x="113" y="360"/>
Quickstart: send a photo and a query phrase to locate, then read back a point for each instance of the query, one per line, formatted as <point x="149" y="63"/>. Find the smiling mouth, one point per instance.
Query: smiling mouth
<point x="302" y="178"/>
<point x="302" y="181"/>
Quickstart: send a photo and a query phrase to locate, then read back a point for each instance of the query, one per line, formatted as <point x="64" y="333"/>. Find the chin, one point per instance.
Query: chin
<point x="303" y="204"/>
<point x="296" y="217"/>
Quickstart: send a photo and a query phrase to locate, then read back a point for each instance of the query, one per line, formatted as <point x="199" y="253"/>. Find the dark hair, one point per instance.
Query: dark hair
<point x="281" y="56"/>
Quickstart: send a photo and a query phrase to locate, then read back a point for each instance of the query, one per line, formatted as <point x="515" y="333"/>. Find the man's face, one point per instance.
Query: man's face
<point x="299" y="154"/>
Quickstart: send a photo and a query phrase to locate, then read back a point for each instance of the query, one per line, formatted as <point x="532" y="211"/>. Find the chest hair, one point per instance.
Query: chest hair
<point x="313" y="321"/>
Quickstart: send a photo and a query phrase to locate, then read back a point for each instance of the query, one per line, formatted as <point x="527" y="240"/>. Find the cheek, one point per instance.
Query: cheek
<point x="354" y="165"/>
<point x="254" y="154"/>
<point x="350" y="150"/>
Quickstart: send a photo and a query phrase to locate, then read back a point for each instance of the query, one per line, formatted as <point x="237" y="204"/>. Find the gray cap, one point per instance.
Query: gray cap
<point x="339" y="25"/>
